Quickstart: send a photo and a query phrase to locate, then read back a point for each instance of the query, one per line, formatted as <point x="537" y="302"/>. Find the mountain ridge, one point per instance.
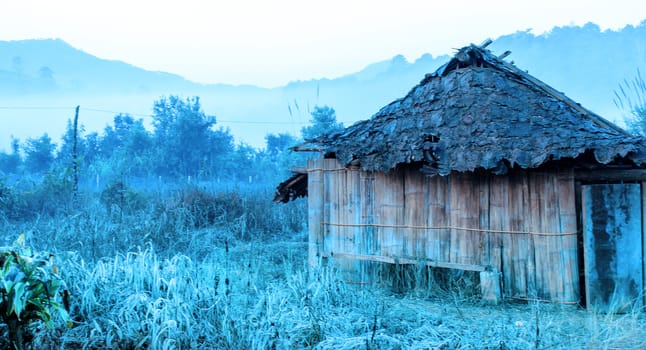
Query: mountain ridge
<point x="587" y="64"/>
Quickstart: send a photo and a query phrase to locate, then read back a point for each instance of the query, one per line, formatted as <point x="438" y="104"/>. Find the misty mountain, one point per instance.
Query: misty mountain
<point x="585" y="63"/>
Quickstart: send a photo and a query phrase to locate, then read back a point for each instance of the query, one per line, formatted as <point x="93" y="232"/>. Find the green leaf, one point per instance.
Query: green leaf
<point x="18" y="301"/>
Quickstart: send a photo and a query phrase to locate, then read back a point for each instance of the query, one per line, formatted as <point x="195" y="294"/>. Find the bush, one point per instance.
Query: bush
<point x="12" y="205"/>
<point x="119" y="199"/>
<point x="29" y="285"/>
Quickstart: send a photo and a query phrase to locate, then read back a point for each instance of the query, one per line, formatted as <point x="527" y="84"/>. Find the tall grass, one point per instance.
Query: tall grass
<point x="200" y="269"/>
<point x="263" y="297"/>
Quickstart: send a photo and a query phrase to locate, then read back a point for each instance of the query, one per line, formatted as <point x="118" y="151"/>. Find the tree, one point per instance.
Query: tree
<point x="9" y="163"/>
<point x="46" y="79"/>
<point x="64" y="154"/>
<point x="631" y="98"/>
<point x="39" y="154"/>
<point x="278" y="143"/>
<point x="125" y="147"/>
<point x="91" y="149"/>
<point x="323" y="123"/>
<point x="278" y="159"/>
<point x="185" y="139"/>
<point x="127" y="134"/>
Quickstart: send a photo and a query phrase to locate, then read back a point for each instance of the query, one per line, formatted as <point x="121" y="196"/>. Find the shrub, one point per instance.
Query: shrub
<point x="12" y="205"/>
<point x="118" y="198"/>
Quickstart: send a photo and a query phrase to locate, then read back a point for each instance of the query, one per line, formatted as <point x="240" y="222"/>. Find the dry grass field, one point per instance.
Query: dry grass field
<point x="145" y="280"/>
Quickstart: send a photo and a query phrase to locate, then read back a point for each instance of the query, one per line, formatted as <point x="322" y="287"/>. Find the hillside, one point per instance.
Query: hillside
<point x="585" y="63"/>
<point x="53" y="66"/>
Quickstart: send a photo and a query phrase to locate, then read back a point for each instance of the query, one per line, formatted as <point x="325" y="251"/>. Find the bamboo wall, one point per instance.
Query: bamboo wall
<point x="523" y="225"/>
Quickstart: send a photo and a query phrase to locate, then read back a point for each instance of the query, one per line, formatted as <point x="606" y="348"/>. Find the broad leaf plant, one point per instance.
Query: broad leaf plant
<point x="31" y="291"/>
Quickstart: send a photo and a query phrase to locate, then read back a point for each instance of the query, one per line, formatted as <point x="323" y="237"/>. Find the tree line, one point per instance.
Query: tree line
<point x="183" y="142"/>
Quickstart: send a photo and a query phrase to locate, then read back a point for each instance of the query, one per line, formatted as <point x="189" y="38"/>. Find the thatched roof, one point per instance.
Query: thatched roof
<point x="476" y="112"/>
<point x="480" y="112"/>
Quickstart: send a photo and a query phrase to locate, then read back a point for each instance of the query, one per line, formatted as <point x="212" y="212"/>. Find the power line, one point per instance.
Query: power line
<point x="33" y="107"/>
<point x="144" y="115"/>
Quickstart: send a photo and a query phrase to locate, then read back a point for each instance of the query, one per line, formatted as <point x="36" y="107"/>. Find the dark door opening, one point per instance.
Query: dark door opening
<point x="612" y="246"/>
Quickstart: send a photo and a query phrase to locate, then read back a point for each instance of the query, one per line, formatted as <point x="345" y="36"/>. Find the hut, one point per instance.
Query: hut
<point x="483" y="167"/>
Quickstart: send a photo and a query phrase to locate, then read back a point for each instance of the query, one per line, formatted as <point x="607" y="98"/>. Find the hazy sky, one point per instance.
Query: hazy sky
<point x="272" y="42"/>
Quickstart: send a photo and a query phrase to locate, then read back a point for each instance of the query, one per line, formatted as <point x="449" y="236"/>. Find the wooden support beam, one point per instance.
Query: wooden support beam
<point x="299" y="170"/>
<point x="504" y="54"/>
<point x="611" y="175"/>
<point x="406" y="261"/>
<point x="486" y="43"/>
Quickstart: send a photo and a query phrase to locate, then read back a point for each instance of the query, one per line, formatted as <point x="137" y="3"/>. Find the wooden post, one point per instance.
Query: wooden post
<point x="315" y="187"/>
<point x="643" y="233"/>
<point x="75" y="153"/>
<point x="490" y="287"/>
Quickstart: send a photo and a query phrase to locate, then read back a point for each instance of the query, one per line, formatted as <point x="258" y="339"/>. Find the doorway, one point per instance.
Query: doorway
<point x="612" y="246"/>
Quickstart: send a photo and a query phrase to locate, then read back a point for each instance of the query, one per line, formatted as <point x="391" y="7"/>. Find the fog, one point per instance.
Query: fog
<point x="44" y="80"/>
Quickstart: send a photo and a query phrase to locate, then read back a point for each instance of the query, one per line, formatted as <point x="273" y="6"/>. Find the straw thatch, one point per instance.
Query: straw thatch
<point x="479" y="112"/>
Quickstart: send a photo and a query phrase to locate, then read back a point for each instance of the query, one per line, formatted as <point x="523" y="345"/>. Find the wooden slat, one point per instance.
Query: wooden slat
<point x="465" y="212"/>
<point x="547" y="249"/>
<point x="537" y="246"/>
<point x="386" y="214"/>
<point x="643" y="233"/>
<point x="499" y="221"/>
<point x="569" y="247"/>
<point x="623" y="175"/>
<point x="299" y="169"/>
<point x="414" y="213"/>
<point x="354" y="208"/>
<point x="370" y="243"/>
<point x="438" y="241"/>
<point x="406" y="261"/>
<point x="483" y="240"/>
<point x="331" y="234"/>
<point x="519" y="255"/>
<point x="315" y="203"/>
<point x="389" y="193"/>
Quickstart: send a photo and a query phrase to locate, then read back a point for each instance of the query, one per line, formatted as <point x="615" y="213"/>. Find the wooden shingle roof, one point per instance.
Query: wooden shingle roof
<point x="480" y="112"/>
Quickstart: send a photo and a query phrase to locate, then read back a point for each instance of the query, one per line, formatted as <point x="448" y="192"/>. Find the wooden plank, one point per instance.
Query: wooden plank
<point x="353" y="181"/>
<point x="414" y="213"/>
<point x="643" y="233"/>
<point x="537" y="245"/>
<point x="389" y="193"/>
<point x="625" y="175"/>
<point x="370" y="242"/>
<point x="438" y="241"/>
<point x="406" y="261"/>
<point x="315" y="202"/>
<point x="490" y="287"/>
<point x="330" y="234"/>
<point x="518" y="255"/>
<point x="499" y="220"/>
<point x="354" y="217"/>
<point x="567" y="215"/>
<point x="465" y="212"/>
<point x="548" y="261"/>
<point x="299" y="169"/>
<point x="342" y="207"/>
<point x="613" y="246"/>
<point x="483" y="239"/>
